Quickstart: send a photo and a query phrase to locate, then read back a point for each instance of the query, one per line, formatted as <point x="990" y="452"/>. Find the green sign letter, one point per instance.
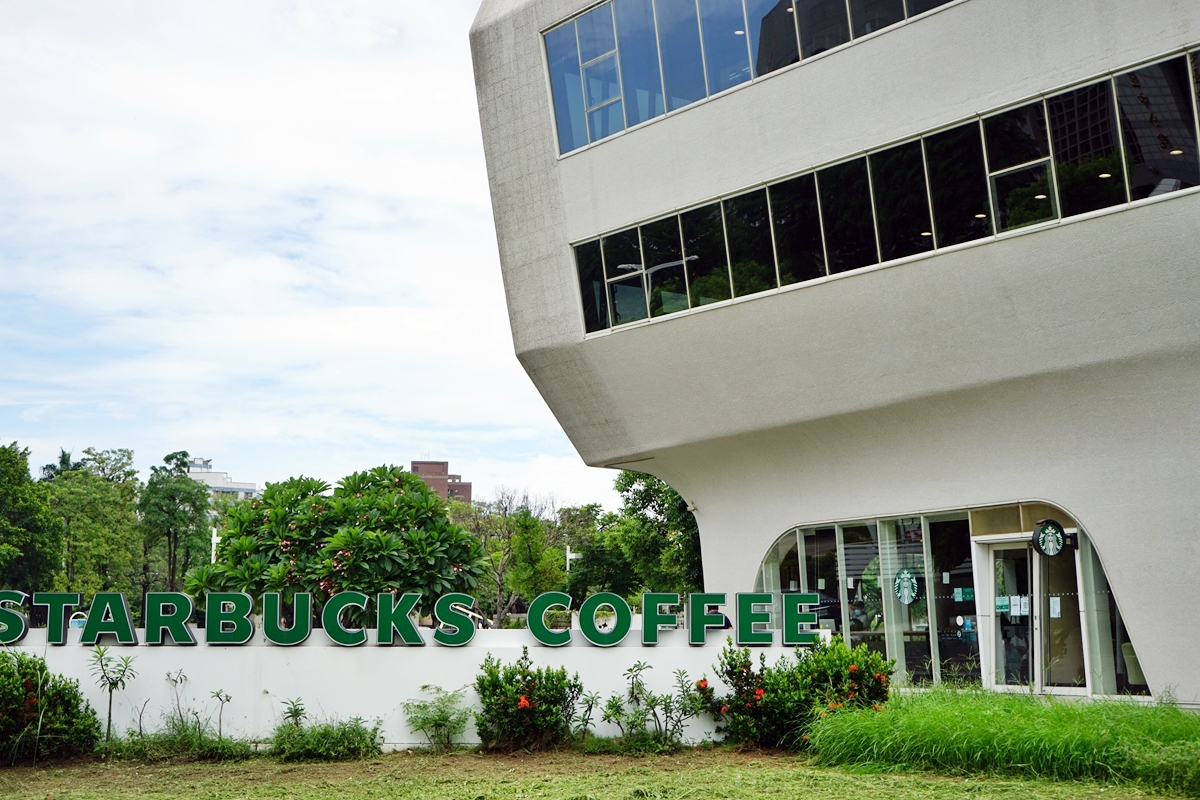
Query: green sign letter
<point x="391" y="616"/>
<point x="109" y="614"/>
<point x="13" y="624"/>
<point x="793" y="618"/>
<point x="445" y="613"/>
<point x="537" y="618"/>
<point x="700" y="619"/>
<point x="56" y="604"/>
<point x="273" y="629"/>
<point x="652" y="616"/>
<point x="227" y="618"/>
<point x="621" y="621"/>
<point x="747" y="616"/>
<point x="158" y="619"/>
<point x="331" y="618"/>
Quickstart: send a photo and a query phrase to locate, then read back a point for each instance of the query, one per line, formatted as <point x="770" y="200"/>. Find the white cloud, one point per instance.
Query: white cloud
<point x="260" y="232"/>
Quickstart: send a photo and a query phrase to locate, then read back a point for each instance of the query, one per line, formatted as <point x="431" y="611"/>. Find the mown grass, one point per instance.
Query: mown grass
<point x="690" y="775"/>
<point x="971" y="731"/>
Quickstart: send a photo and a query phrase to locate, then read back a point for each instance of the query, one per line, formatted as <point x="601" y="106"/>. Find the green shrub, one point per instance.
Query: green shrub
<point x="180" y="740"/>
<point x="653" y="723"/>
<point x="963" y="731"/>
<point x="336" y="740"/>
<point x="42" y="715"/>
<point x="774" y="706"/>
<point x="524" y="708"/>
<point x="440" y="719"/>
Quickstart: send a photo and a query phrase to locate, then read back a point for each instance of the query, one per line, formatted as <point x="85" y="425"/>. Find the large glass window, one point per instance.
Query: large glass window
<point x="704" y="253"/>
<point x="772" y="32"/>
<point x="591" y="286"/>
<point x="797" y="225"/>
<point x="953" y="596"/>
<point x="920" y="6"/>
<point x="1062" y="631"/>
<point x="1115" y="668"/>
<point x="958" y="185"/>
<point x="821" y="576"/>
<point x="664" y="266"/>
<point x="1022" y="194"/>
<point x="1087" y="156"/>
<point x="1014" y="618"/>
<point x="846" y="216"/>
<point x="726" y="51"/>
<point x="862" y="614"/>
<point x="824" y="24"/>
<point x="623" y="267"/>
<point x="562" y="53"/>
<point x="1158" y="124"/>
<point x="906" y="598"/>
<point x="641" y="80"/>
<point x="901" y="201"/>
<point x="682" y="61"/>
<point x="751" y="257"/>
<point x="868" y="16"/>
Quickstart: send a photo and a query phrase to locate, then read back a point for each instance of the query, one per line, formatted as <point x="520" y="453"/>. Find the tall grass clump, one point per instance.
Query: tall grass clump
<point x="334" y="740"/>
<point x="180" y="739"/>
<point x="970" y="730"/>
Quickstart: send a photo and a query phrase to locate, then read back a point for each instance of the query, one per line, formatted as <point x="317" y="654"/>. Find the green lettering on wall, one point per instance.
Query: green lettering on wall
<point x="13" y="624"/>
<point x="392" y="617"/>
<point x="273" y="629"/>
<point x="619" y="627"/>
<point x="537" y="618"/>
<point x="700" y="619"/>
<point x="331" y="618"/>
<point x="462" y="627"/>
<point x="653" y="618"/>
<point x="793" y="618"/>
<point x="173" y="622"/>
<point x="227" y="618"/>
<point x="109" y="614"/>
<point x="747" y="617"/>
<point x="56" y="604"/>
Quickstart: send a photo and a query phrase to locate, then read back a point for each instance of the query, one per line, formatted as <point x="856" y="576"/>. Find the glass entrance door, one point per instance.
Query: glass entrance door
<point x="1014" y="615"/>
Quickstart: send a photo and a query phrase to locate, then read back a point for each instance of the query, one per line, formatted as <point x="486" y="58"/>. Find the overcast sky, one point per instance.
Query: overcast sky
<point x="259" y="232"/>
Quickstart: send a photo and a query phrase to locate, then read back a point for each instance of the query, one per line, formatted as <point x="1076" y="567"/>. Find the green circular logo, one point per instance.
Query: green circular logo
<point x="1049" y="538"/>
<point x="905" y="586"/>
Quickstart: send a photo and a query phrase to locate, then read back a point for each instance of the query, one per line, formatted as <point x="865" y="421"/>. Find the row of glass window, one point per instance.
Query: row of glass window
<point x="628" y="61"/>
<point x="1120" y="139"/>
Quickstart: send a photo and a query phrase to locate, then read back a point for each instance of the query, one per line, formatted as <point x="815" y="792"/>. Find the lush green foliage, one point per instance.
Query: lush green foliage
<point x="173" y="508"/>
<point x="101" y="547"/>
<point x="30" y="538"/>
<point x="441" y="719"/>
<point x="380" y="530"/>
<point x="180" y="739"/>
<point x="774" y="705"/>
<point x="524" y="708"/>
<point x="652" y="722"/>
<point x="964" y="730"/>
<point x="42" y="715"/>
<point x="335" y="740"/>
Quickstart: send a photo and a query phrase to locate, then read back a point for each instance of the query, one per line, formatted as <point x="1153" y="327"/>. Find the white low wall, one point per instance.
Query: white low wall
<point x="368" y="681"/>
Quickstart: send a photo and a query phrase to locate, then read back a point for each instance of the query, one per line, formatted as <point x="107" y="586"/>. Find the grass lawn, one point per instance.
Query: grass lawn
<point x="719" y="773"/>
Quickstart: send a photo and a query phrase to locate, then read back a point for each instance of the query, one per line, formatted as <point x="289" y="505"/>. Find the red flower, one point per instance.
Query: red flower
<point x="878" y="676"/>
<point x="702" y="684"/>
<point x="724" y="709"/>
<point x="523" y="702"/>
<point x="758" y="694"/>
<point x="850" y="695"/>
<point x="853" y="668"/>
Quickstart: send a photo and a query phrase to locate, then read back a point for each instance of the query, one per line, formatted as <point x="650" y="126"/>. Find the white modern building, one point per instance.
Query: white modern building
<point x="881" y="287"/>
<point x="221" y="489"/>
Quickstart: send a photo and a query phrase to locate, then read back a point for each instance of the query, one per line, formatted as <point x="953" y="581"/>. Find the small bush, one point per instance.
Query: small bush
<point x="440" y="719"/>
<point x="653" y="723"/>
<point x="524" y="708"/>
<point x="179" y="740"/>
<point x="963" y="731"/>
<point x="774" y="706"/>
<point x="326" y="741"/>
<point x="42" y="715"/>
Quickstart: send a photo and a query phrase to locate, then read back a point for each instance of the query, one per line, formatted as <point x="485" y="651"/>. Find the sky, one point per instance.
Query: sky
<point x="259" y="232"/>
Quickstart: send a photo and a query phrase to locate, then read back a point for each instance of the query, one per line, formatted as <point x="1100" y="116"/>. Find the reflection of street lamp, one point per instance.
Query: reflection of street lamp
<point x="570" y="556"/>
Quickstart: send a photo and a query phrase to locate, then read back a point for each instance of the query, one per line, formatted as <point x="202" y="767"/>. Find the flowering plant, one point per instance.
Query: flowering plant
<point x="523" y="708"/>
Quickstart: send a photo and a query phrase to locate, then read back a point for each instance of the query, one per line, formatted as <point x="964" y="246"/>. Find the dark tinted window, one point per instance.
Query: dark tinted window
<point x="797" y="230"/>
<point x="1159" y="128"/>
<point x="958" y="184"/>
<point x="566" y="87"/>
<point x="726" y="52"/>
<point x="704" y="252"/>
<point x="772" y="34"/>
<point x="751" y="257"/>
<point x="918" y="6"/>
<point x="640" y="78"/>
<point x="1016" y="137"/>
<point x="591" y="286"/>
<point x="901" y="201"/>
<point x="682" y="63"/>
<point x="660" y="241"/>
<point x="621" y="253"/>
<point x="668" y="291"/>
<point x="823" y="24"/>
<point x="1023" y="197"/>
<point x="1083" y="132"/>
<point x="868" y="16"/>
<point x="628" y="300"/>
<point x="846" y="213"/>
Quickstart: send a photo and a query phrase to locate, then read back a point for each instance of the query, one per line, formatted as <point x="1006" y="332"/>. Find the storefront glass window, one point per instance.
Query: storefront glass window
<point x="906" y="598"/>
<point x="862" y="608"/>
<point x="821" y="576"/>
<point x="1014" y="616"/>
<point x="953" y="596"/>
<point x="1114" y="664"/>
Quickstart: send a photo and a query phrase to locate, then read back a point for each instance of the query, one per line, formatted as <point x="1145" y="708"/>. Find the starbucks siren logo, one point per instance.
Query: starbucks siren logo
<point x="1049" y="538"/>
<point x="905" y="586"/>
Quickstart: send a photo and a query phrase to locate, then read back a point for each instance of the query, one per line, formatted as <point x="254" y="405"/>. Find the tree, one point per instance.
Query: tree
<point x="100" y="543"/>
<point x="174" y="513"/>
<point x="602" y="565"/>
<point x="30" y="539"/>
<point x="537" y="565"/>
<point x="664" y="546"/>
<point x="382" y="530"/>
<point x="64" y="464"/>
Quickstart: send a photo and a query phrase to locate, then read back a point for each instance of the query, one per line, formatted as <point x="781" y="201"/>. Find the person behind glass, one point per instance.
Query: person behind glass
<point x="858" y="616"/>
<point x="728" y="624"/>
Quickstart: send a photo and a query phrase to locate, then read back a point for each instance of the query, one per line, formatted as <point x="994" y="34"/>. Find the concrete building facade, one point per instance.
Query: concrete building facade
<point x="886" y="303"/>
<point x="436" y="475"/>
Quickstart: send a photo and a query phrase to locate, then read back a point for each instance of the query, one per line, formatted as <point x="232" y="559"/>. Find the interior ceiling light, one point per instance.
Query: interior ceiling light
<point x="926" y="233"/>
<point x="1104" y="175"/>
<point x="740" y="33"/>
<point x="1039" y="197"/>
<point x="1176" y="152"/>
<point x="981" y="216"/>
